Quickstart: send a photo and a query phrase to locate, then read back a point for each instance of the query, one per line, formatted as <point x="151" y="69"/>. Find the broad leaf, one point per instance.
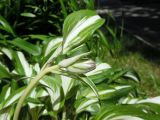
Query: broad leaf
<point x="155" y="100"/>
<point x="82" y="104"/>
<point x="12" y="98"/>
<point x="108" y="92"/>
<point x="126" y="111"/>
<point x="99" y="74"/>
<point x="53" y="87"/>
<point x="52" y="45"/>
<point x="7" y="52"/>
<point x="21" y="64"/>
<point x="90" y="83"/>
<point x="78" y="27"/>
<point x="67" y="84"/>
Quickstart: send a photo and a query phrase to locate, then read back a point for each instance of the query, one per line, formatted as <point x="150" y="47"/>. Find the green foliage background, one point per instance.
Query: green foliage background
<point x="33" y="55"/>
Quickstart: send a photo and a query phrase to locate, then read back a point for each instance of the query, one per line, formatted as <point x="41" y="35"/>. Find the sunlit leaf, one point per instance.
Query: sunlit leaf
<point x="83" y="104"/>
<point x="12" y="98"/>
<point x="52" y="45"/>
<point x="21" y="64"/>
<point x="79" y="26"/>
<point x="90" y="83"/>
<point x="100" y="73"/>
<point x="7" y="52"/>
<point x="67" y="84"/>
<point x="130" y="111"/>
<point x="53" y="87"/>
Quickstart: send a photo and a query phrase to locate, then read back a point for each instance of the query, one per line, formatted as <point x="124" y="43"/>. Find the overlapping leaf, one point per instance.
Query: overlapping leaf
<point x="26" y="46"/>
<point x="78" y="26"/>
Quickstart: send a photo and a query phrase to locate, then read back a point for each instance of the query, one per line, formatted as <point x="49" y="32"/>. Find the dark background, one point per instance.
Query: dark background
<point x="141" y="18"/>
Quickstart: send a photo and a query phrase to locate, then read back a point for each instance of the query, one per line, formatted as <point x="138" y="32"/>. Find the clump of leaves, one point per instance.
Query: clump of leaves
<point x="39" y="16"/>
<point x="60" y="78"/>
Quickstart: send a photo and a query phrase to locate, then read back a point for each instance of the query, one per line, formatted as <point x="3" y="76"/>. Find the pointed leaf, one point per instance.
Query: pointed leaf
<point x="26" y="46"/>
<point x="21" y="64"/>
<point x="82" y="104"/>
<point x="4" y="25"/>
<point x="78" y="26"/>
<point x="4" y="73"/>
<point x="90" y="83"/>
<point x="5" y="92"/>
<point x="12" y="98"/>
<point x="31" y="15"/>
<point x="112" y="112"/>
<point x="53" y="45"/>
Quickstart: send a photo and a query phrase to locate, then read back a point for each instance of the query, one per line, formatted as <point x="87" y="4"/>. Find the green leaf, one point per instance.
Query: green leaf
<point x="82" y="104"/>
<point x="155" y="100"/>
<point x="79" y="50"/>
<point x="36" y="93"/>
<point x="111" y="31"/>
<point x="78" y="27"/>
<point x="53" y="45"/>
<point x="103" y="38"/>
<point x="125" y="111"/>
<point x="7" y="52"/>
<point x="128" y="100"/>
<point x="7" y="113"/>
<point x="40" y="37"/>
<point x="12" y="98"/>
<point x="52" y="49"/>
<point x="90" y="83"/>
<point x="5" y="92"/>
<point x="107" y="92"/>
<point x="116" y="73"/>
<point x="100" y="73"/>
<point x="55" y="92"/>
<point x="67" y="84"/>
<point x="70" y="61"/>
<point x="4" y="25"/>
<point x="31" y="15"/>
<point x="21" y="64"/>
<point x="26" y="46"/>
<point x="4" y="73"/>
<point x="132" y="75"/>
<point x="14" y="86"/>
<point x="89" y="4"/>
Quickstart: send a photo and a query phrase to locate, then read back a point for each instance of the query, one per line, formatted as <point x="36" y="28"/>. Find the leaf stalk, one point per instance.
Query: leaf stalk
<point x="30" y="87"/>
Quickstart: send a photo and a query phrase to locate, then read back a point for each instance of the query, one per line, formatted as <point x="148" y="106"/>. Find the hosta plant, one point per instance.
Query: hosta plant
<point x="61" y="78"/>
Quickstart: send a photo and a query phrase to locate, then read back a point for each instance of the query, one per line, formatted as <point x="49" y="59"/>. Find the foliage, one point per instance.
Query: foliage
<point x="150" y="82"/>
<point x="39" y="16"/>
<point x="61" y="77"/>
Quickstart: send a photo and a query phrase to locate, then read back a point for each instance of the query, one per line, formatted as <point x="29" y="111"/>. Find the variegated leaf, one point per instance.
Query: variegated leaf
<point x="78" y="26"/>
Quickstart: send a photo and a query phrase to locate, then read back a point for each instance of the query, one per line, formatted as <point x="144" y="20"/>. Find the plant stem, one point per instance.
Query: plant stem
<point x="64" y="114"/>
<point x="75" y="117"/>
<point x="29" y="88"/>
<point x="63" y="8"/>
